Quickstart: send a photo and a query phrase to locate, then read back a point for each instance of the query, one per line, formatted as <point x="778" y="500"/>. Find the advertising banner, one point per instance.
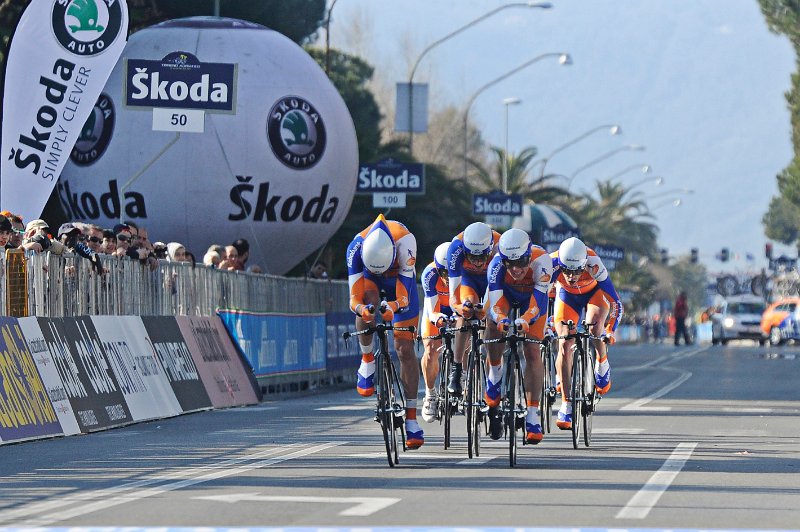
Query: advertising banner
<point x="341" y="355"/>
<point x="138" y="370"/>
<point x="59" y="59"/>
<point x="217" y="361"/>
<point x="25" y="408"/>
<point x="610" y="255"/>
<point x="167" y="342"/>
<point x="496" y="203"/>
<point x="278" y="343"/>
<point x="86" y="373"/>
<point x="50" y="375"/>
<point x="388" y="175"/>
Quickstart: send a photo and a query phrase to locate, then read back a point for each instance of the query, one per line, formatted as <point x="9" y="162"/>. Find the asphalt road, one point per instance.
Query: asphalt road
<point x="689" y="437"/>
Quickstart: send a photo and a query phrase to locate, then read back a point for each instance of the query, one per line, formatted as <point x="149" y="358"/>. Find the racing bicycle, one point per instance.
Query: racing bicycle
<point x="448" y="403"/>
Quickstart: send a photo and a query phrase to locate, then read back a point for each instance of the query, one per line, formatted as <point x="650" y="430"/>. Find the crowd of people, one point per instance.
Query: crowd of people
<point x="480" y="274"/>
<point x="127" y="239"/>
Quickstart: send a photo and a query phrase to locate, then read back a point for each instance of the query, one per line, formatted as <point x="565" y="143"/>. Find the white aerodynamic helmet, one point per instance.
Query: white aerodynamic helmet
<point x="440" y="256"/>
<point x="378" y="251"/>
<point x="572" y="254"/>
<point x="514" y="244"/>
<point x="478" y="239"/>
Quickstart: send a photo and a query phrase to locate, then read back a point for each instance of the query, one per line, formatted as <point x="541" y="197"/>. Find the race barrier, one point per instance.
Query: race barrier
<point x="64" y="376"/>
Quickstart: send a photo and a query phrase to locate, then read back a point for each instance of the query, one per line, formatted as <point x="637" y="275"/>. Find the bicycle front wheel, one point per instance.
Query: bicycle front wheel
<point x="590" y="394"/>
<point x="511" y="413"/>
<point x="577" y="389"/>
<point x="548" y="389"/>
<point x="385" y="410"/>
<point x="444" y="398"/>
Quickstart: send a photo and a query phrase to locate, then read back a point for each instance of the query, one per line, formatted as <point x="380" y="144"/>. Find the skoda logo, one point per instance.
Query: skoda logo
<point x="296" y="132"/>
<point x="95" y="133"/>
<point x="86" y="27"/>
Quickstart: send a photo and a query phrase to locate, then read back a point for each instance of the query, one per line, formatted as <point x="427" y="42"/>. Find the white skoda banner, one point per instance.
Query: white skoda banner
<point x="59" y="60"/>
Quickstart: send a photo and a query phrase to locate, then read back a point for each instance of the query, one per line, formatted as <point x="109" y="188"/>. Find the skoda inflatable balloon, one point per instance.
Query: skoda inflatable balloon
<point x="212" y="129"/>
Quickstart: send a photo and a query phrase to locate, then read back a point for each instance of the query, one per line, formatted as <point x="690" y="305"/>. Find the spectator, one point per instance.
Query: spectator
<point x="68" y="235"/>
<point x="254" y="268"/>
<point x="123" y="233"/>
<point x="212" y="257"/>
<point x="160" y="250"/>
<point x="18" y="229"/>
<point x="231" y="260"/>
<point x="319" y="271"/>
<point x="243" y="251"/>
<point x="680" y="313"/>
<point x="109" y="245"/>
<point x="176" y="252"/>
<point x="94" y="237"/>
<point x="144" y="239"/>
<point x="6" y="232"/>
<point x="37" y="238"/>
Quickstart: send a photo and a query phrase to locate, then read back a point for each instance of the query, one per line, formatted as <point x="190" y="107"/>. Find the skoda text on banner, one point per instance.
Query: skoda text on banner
<point x="51" y="378"/>
<point x="167" y="342"/>
<point x="138" y="370"/>
<point x="217" y="361"/>
<point x="59" y="60"/>
<point x="91" y="386"/>
<point x="278" y="343"/>
<point x="25" y="408"/>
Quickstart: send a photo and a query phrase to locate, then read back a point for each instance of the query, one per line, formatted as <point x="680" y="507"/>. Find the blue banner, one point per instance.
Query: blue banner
<point x="278" y="343"/>
<point x="341" y="356"/>
<point x="388" y="175"/>
<point x="25" y="407"/>
<point x="497" y="203"/>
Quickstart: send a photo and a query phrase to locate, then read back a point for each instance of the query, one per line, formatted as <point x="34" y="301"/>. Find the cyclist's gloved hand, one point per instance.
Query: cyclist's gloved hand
<point x="522" y="325"/>
<point x="503" y="324"/>
<point x="442" y="321"/>
<point x="367" y="313"/>
<point x="467" y="310"/>
<point x="386" y="311"/>
<point x="609" y="339"/>
<point x="480" y="312"/>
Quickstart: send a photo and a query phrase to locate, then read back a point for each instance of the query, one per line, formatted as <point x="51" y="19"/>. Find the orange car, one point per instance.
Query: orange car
<point x="781" y="320"/>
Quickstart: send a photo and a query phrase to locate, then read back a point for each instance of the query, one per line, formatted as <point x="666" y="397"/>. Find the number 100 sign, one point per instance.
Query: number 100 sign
<point x="181" y="120"/>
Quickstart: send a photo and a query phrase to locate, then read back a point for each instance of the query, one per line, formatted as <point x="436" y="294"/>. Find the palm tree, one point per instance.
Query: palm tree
<point x="519" y="179"/>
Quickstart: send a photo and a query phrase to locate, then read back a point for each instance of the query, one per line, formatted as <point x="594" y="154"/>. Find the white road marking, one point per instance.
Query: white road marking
<point x="402" y="456"/>
<point x="478" y="460"/>
<point x="746" y="410"/>
<point x="640" y="403"/>
<point x="362" y="506"/>
<point x="343" y="408"/>
<point x="617" y="431"/>
<point x="647" y="497"/>
<point x="101" y="499"/>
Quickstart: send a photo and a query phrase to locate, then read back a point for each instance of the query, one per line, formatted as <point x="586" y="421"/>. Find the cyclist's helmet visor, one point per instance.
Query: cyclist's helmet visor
<point x="572" y="271"/>
<point x="517" y="263"/>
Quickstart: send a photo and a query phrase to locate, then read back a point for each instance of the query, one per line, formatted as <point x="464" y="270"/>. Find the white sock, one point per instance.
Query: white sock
<point x="566" y="407"/>
<point x="533" y="415"/>
<point x="495" y="373"/>
<point x="430" y="392"/>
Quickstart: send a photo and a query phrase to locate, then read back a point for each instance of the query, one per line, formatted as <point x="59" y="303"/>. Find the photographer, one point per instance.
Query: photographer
<point x="36" y="238"/>
<point x="68" y="235"/>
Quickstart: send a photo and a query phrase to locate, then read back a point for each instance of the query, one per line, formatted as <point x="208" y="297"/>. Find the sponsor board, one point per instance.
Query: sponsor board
<point x="388" y="175"/>
<point x="341" y="354"/>
<point x="497" y="203"/>
<point x="610" y="255"/>
<point x="25" y="407"/>
<point x="61" y="55"/>
<point x="87" y="376"/>
<point x="217" y="361"/>
<point x="166" y="340"/>
<point x="50" y="375"/>
<point x="278" y="343"/>
<point x="139" y="373"/>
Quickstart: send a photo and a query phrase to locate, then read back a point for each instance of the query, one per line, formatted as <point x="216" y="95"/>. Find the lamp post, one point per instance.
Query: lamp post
<point x="645" y="169"/>
<point x="563" y="59"/>
<point x="506" y="103"/>
<point x="328" y="37"/>
<point x="657" y="181"/>
<point x="613" y="129"/>
<point x="627" y="147"/>
<point x="531" y="4"/>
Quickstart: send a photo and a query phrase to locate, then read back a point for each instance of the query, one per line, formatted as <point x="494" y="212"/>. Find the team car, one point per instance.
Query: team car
<point x="739" y="317"/>
<point x="781" y="321"/>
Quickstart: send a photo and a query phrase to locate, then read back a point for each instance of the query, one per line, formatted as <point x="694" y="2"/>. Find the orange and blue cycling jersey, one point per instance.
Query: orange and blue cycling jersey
<point x="529" y="292"/>
<point x="437" y="300"/>
<point x="466" y="279"/>
<point x="594" y="287"/>
<point x="399" y="281"/>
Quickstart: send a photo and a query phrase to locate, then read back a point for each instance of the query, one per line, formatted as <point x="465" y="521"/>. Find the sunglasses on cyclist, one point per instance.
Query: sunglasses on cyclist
<point x="516" y="263"/>
<point x="576" y="271"/>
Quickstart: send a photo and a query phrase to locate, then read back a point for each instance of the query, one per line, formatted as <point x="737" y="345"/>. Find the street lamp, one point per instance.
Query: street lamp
<point x="644" y="168"/>
<point x="613" y="129"/>
<point x="507" y="102"/>
<point x="657" y="181"/>
<point x="328" y="37"/>
<point x="563" y="59"/>
<point x="532" y="4"/>
<point x="627" y="147"/>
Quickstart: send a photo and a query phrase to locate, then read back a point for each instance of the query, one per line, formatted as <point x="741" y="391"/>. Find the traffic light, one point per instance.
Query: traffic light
<point x="724" y="255"/>
<point x="694" y="257"/>
<point x="664" y="255"/>
<point x="768" y="250"/>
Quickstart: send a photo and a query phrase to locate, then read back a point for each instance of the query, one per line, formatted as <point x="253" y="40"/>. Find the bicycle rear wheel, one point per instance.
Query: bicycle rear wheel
<point x="590" y="394"/>
<point x="444" y="399"/>
<point x="471" y="408"/>
<point x="385" y="411"/>
<point x="548" y="387"/>
<point x="510" y="417"/>
<point x="577" y="394"/>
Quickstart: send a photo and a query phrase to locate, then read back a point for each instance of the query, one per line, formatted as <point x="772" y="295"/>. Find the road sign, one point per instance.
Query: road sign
<point x="388" y="175"/>
<point x="495" y="203"/>
<point x="181" y="120"/>
<point x="388" y="200"/>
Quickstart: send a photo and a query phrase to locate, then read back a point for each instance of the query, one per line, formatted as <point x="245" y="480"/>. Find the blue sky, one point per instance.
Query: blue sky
<point x="699" y="83"/>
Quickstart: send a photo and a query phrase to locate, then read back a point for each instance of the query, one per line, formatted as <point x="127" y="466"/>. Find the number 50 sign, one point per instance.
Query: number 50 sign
<point x="181" y="120"/>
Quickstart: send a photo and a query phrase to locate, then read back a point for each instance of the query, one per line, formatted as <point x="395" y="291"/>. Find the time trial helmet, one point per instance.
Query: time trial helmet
<point x="572" y="255"/>
<point x="378" y="251"/>
<point x="514" y="244"/>
<point x="478" y="239"/>
<point x="440" y="256"/>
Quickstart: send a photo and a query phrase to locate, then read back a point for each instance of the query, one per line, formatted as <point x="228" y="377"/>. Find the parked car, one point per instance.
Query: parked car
<point x="780" y="322"/>
<point x="739" y="317"/>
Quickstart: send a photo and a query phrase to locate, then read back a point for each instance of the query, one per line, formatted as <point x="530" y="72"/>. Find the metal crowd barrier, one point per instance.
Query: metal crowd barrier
<point x="51" y="285"/>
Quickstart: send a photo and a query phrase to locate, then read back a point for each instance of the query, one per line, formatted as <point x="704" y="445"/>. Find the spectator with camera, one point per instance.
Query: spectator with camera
<point x="69" y="236"/>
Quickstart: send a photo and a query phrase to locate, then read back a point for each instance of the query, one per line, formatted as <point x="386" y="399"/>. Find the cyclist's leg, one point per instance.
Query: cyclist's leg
<point x="596" y="312"/>
<point x="534" y="378"/>
<point x="430" y="370"/>
<point x="567" y="308"/>
<point x="409" y="368"/>
<point x="494" y="369"/>
<point x="365" y="378"/>
<point x="469" y="290"/>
